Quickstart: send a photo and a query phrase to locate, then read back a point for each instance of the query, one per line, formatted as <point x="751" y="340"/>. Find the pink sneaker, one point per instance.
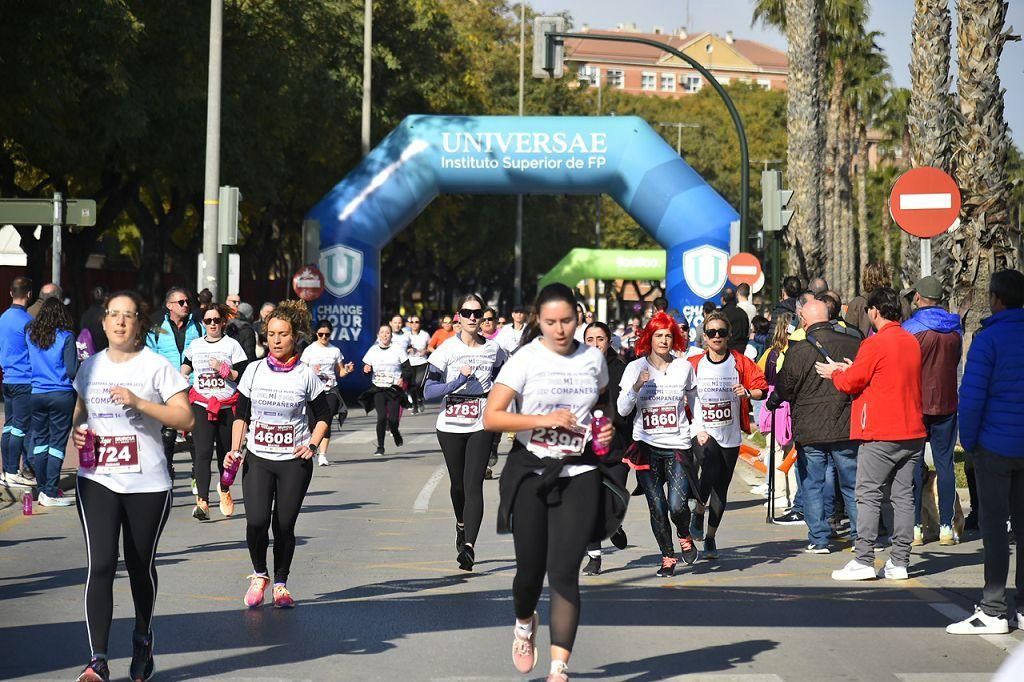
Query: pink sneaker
<point x="283" y="598"/>
<point x="257" y="587"/>
<point x="524" y="651"/>
<point x="559" y="672"/>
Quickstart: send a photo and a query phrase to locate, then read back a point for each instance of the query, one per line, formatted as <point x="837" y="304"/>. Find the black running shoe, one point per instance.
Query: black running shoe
<point x="142" y="667"/>
<point x="618" y="539"/>
<point x="379" y="452"/>
<point x="460" y="536"/>
<point x="96" y="671"/>
<point x="466" y="558"/>
<point x="710" y="549"/>
<point x="971" y="521"/>
<point x="398" y="439"/>
<point x="668" y="567"/>
<point x="689" y="550"/>
<point x="593" y="566"/>
<point x="790" y="518"/>
<point x="488" y="475"/>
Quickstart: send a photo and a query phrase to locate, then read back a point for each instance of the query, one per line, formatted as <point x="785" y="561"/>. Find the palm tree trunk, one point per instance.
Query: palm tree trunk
<point x="832" y="265"/>
<point x="861" y="163"/>
<point x="804" y="136"/>
<point x="981" y="245"/>
<point x="887" y="234"/>
<point x="847" y="141"/>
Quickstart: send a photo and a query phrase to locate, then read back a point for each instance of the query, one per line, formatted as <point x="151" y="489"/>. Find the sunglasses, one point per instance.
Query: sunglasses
<point x="474" y="313"/>
<point x="322" y="335"/>
<point x="182" y="302"/>
<point x="716" y="333"/>
<point x="488" y="319"/>
<point x="212" y="320"/>
<point x="414" y="321"/>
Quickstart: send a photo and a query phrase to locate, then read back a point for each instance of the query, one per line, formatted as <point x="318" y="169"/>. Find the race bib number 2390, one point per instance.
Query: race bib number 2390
<point x="558" y="441"/>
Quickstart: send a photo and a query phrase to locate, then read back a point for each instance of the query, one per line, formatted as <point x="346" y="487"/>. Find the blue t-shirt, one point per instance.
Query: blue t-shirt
<point x="13" y="351"/>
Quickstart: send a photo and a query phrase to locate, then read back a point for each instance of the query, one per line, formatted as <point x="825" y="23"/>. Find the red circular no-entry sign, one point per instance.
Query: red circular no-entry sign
<point x="925" y="202"/>
<point x="308" y="283"/>
<point x="744" y="268"/>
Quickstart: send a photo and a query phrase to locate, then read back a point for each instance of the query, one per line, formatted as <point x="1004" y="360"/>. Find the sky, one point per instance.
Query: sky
<point x="891" y="17"/>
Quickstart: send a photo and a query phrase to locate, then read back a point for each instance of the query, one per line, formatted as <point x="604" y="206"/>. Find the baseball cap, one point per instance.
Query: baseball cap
<point x="927" y="287"/>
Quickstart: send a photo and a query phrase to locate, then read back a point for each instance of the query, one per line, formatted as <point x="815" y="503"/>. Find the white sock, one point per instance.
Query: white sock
<point x="594" y="553"/>
<point x="559" y="667"/>
<point x="524" y="631"/>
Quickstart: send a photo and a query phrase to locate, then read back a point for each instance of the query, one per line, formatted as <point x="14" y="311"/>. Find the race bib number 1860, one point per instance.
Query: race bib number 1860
<point x="660" y="419"/>
<point x="117" y="455"/>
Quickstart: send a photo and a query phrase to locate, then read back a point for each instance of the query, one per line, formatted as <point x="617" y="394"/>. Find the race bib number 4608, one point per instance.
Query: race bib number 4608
<point x="558" y="441"/>
<point x="717" y="414"/>
<point x="117" y="455"/>
<point x="274" y="438"/>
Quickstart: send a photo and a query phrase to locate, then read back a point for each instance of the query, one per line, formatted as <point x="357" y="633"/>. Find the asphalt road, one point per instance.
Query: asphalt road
<point x="380" y="596"/>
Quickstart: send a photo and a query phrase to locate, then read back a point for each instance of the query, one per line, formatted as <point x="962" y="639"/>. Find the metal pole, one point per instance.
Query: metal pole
<point x="58" y="224"/>
<point x="367" y="90"/>
<point x="926" y="257"/>
<point x="737" y="121"/>
<point x="211" y="187"/>
<point x="517" y="292"/>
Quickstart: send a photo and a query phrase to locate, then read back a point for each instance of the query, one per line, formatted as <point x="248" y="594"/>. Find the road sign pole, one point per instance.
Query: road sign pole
<point x="208" y="277"/>
<point x="58" y="221"/>
<point x="926" y="257"/>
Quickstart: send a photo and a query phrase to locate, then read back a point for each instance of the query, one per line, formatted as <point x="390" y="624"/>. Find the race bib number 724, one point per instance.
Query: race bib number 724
<point x="117" y="455"/>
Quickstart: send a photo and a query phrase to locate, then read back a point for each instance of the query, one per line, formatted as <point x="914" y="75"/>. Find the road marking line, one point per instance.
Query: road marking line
<point x="423" y="499"/>
<point x="10" y="523"/>
<point x="958" y="613"/>
<point x="944" y="676"/>
<point x="918" y="202"/>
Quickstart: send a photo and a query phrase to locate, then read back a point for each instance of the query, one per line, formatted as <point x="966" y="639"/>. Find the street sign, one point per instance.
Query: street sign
<point x="744" y="268"/>
<point x="925" y="202"/>
<point x="548" y="55"/>
<point x="308" y="283"/>
<point x="40" y="212"/>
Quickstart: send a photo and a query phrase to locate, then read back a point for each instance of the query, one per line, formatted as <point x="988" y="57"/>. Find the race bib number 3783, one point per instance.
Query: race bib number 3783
<point x="461" y="411"/>
<point x="117" y="455"/>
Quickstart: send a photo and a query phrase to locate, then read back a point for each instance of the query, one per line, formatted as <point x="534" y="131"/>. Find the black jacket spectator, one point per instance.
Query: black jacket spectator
<point x="740" y="324"/>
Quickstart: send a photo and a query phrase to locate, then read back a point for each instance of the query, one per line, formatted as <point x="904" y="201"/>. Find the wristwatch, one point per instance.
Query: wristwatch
<point x="314" y="450"/>
<point x="750" y="395"/>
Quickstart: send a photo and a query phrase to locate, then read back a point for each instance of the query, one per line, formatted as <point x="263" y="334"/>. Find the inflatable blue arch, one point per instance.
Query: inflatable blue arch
<point x="425" y="156"/>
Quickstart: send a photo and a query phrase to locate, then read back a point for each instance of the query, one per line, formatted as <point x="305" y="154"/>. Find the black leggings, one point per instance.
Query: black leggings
<point x="208" y="436"/>
<point x="274" y="491"/>
<point x="104" y="514"/>
<point x="666" y="469"/>
<point x="552" y="539"/>
<point x="466" y="456"/>
<point x="387" y="407"/>
<point x="335" y="406"/>
<point x="419" y="376"/>
<point x="717" y="465"/>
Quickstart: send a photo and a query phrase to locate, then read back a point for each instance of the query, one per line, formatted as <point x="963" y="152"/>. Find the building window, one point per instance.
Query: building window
<point x="724" y="80"/>
<point x="648" y="81"/>
<point x="692" y="83"/>
<point x="615" y="78"/>
<point x="764" y="84"/>
<point x="591" y="75"/>
<point x="668" y="82"/>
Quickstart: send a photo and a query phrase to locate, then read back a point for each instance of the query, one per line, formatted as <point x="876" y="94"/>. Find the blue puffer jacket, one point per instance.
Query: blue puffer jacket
<point x="162" y="340"/>
<point x="991" y="400"/>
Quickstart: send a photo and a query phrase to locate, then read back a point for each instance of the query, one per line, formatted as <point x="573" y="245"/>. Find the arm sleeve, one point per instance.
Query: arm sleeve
<point x="437" y="388"/>
<point x="243" y="409"/>
<point x="239" y="366"/>
<point x="321" y="410"/>
<point x="974" y="391"/>
<point x="71" y="357"/>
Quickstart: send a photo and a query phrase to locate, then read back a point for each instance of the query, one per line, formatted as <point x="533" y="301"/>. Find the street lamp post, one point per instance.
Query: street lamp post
<point x="211" y="186"/>
<point x="517" y="284"/>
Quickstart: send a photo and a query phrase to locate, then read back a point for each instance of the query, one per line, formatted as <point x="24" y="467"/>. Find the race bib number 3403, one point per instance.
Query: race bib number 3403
<point x="277" y="439"/>
<point x="210" y="382"/>
<point x="558" y="441"/>
<point x="117" y="455"/>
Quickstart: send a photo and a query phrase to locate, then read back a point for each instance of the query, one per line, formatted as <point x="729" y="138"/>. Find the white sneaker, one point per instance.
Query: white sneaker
<point x="321" y="459"/>
<point x="761" y="490"/>
<point x="979" y="623"/>
<point x="854" y="571"/>
<point x="47" y="501"/>
<point x="893" y="572"/>
<point x="947" y="537"/>
<point x="1015" y="619"/>
<point x="816" y="549"/>
<point x="16" y="479"/>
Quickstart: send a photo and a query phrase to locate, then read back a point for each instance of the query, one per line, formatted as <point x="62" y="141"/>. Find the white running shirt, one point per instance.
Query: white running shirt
<point x="546" y="381"/>
<point x="324" y="361"/>
<point x="465" y="414"/>
<point x="386" y="364"/>
<point x="718" y="407"/>
<point x="660" y="404"/>
<point x="279" y="408"/>
<point x="206" y="380"/>
<point x="129" y="448"/>
<point x="418" y="343"/>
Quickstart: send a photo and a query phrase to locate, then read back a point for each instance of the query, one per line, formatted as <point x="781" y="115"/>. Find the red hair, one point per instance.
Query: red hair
<point x="658" y="322"/>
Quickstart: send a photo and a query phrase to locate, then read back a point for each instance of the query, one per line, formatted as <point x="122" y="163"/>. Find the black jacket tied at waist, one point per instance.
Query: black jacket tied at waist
<point x="522" y="463"/>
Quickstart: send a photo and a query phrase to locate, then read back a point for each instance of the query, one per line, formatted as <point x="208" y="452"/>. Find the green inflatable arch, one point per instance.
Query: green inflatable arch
<point x="580" y="264"/>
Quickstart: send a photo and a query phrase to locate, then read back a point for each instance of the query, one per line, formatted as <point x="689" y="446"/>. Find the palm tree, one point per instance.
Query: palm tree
<point x="928" y="118"/>
<point x="981" y="245"/>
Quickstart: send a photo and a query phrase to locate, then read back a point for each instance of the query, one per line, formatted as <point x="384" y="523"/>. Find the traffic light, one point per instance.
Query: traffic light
<point x="774" y="202"/>
<point x="548" y="55"/>
<point x="227" y="216"/>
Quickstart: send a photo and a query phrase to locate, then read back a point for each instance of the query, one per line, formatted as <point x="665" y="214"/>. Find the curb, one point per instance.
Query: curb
<point x="12" y="496"/>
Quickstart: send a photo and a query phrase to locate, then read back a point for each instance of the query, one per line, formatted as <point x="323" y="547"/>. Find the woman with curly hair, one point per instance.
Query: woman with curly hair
<point x="54" y="359"/>
<point x="876" y="276"/>
<point x="276" y="396"/>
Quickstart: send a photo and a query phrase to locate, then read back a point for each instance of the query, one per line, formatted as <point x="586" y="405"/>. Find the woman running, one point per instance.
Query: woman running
<point x="726" y="383"/>
<point x="657" y="388"/>
<point x="216" y="361"/>
<point x="126" y="394"/>
<point x="462" y="370"/>
<point x="599" y="336"/>
<point x="277" y="395"/>
<point x="551" y="485"/>
<point x="384" y="361"/>
<point x="417" y="352"/>
<point x="54" y="358"/>
<point x="329" y="365"/>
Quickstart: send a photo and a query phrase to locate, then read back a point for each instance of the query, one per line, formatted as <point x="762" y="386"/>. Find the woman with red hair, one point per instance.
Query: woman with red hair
<point x="656" y="388"/>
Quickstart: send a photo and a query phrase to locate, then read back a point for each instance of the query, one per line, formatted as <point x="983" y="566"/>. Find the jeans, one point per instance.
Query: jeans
<point x="942" y="435"/>
<point x="17" y="420"/>
<point x="1001" y="487"/>
<point x="51" y="425"/>
<point x="818" y="490"/>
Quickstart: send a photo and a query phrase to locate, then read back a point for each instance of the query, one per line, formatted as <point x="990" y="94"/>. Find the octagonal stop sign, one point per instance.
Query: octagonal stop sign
<point x="925" y="202"/>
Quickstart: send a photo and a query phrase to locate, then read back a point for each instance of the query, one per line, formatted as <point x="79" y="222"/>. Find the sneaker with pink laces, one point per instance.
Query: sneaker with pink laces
<point x="668" y="567"/>
<point x="282" y="597"/>
<point x="257" y="587"/>
<point x="688" y="550"/>
<point x="524" y="650"/>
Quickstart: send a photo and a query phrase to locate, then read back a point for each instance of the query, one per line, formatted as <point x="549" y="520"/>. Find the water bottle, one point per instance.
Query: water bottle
<point x="227" y="477"/>
<point x="87" y="453"/>
<point x="26" y="504"/>
<point x="597" y="425"/>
